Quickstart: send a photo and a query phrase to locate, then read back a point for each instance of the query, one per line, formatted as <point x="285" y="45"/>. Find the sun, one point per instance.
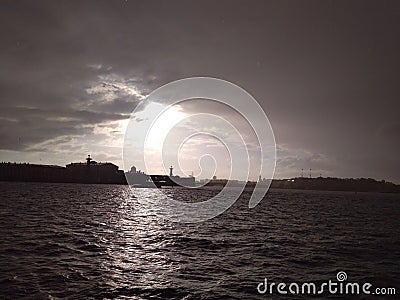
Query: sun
<point x="166" y="118"/>
<point x="146" y="132"/>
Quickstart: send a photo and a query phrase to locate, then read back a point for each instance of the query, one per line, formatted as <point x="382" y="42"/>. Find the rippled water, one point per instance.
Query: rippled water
<point x="99" y="241"/>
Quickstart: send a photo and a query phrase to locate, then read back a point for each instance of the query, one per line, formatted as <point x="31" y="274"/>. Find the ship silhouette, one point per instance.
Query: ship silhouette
<point x="140" y="179"/>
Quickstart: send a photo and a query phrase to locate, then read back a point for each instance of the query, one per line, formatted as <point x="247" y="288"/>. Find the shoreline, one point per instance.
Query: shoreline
<point x="211" y="188"/>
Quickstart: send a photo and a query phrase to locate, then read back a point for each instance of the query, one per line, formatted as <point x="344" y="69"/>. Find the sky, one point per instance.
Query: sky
<point x="326" y="73"/>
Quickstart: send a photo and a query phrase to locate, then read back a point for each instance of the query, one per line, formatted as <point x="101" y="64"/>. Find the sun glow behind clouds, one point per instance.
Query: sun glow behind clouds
<point x="152" y="125"/>
<point x="165" y="122"/>
<point x="153" y="133"/>
<point x="163" y="136"/>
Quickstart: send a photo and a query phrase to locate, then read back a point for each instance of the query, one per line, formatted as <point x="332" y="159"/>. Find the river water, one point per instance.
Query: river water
<point x="99" y="242"/>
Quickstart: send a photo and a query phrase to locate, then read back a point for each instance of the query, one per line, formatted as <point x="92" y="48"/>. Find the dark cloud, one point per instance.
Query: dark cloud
<point x="23" y="127"/>
<point x="326" y="73"/>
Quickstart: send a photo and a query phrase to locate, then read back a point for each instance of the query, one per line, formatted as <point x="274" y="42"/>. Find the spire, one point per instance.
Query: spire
<point x="88" y="159"/>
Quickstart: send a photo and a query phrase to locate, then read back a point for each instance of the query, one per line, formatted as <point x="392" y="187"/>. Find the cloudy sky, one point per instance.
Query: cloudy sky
<point x="327" y="74"/>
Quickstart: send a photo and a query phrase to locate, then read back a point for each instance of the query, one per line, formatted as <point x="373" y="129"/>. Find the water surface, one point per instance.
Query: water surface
<point x="99" y="241"/>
